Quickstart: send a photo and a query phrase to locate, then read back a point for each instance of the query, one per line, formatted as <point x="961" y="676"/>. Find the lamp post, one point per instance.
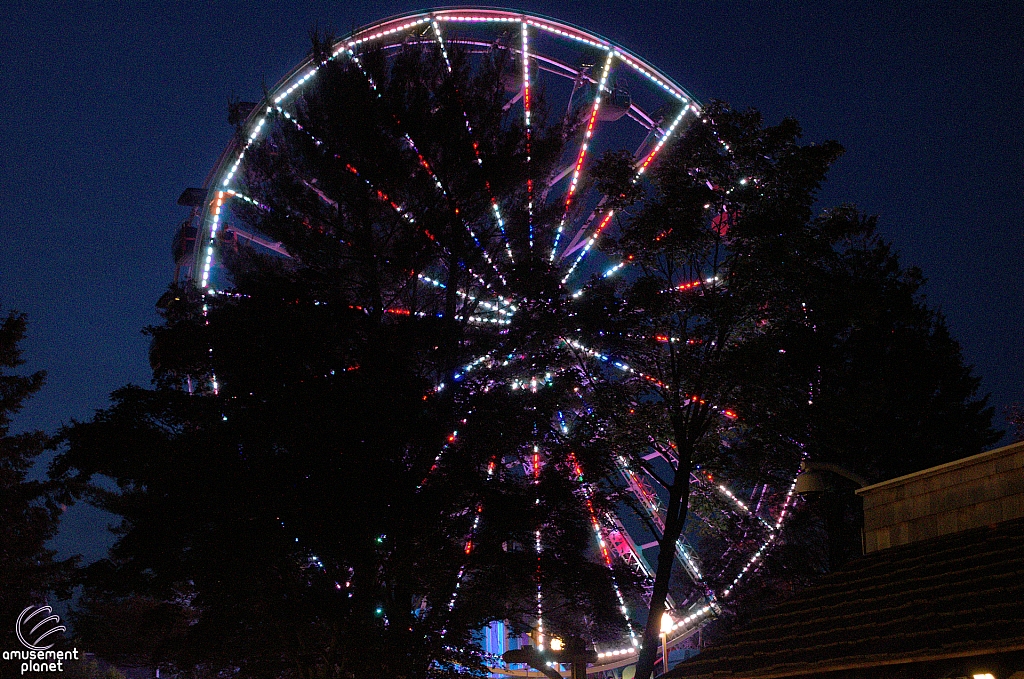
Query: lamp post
<point x="810" y="483"/>
<point x="666" y="627"/>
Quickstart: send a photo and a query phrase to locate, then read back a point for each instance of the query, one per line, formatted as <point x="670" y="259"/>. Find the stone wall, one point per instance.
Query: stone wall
<point x="975" y="491"/>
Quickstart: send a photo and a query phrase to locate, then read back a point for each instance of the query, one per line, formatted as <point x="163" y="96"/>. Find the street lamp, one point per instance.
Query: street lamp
<point x="810" y="482"/>
<point x="666" y="627"/>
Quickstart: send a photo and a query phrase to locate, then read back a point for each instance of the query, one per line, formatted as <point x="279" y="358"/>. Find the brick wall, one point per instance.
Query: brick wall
<point x="975" y="491"/>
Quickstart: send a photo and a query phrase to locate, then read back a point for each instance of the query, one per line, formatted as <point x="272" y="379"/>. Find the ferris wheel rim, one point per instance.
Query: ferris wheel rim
<point x="396" y="24"/>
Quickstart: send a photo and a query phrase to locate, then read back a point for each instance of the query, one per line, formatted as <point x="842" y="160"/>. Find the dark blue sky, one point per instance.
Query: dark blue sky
<point x="110" y="109"/>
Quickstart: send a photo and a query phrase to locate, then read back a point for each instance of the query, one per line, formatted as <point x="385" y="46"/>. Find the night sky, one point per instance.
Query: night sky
<point x="110" y="109"/>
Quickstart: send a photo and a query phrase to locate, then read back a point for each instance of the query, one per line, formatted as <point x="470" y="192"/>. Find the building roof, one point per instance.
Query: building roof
<point x="953" y="596"/>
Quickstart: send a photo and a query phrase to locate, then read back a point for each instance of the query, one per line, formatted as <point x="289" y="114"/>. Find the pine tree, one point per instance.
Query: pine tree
<point x="893" y="394"/>
<point x="29" y="510"/>
<point x="306" y="481"/>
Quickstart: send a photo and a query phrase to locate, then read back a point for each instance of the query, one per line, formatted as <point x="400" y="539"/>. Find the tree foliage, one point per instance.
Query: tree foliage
<point x="29" y="510"/>
<point x="301" y="493"/>
<point x="893" y="394"/>
<point x="726" y="250"/>
<point x="758" y="332"/>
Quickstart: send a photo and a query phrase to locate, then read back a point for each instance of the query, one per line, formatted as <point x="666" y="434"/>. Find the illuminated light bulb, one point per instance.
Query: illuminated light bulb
<point x="556" y="644"/>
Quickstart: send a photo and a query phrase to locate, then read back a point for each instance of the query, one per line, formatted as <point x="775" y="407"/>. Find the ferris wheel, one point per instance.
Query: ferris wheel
<point x="607" y="99"/>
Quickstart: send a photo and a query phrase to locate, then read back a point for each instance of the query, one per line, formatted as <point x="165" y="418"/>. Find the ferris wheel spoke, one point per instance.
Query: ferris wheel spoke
<point x="578" y="242"/>
<point x="502" y="306"/>
<point x="582" y="154"/>
<point x="405" y="214"/>
<point x="246" y="234"/>
<point x="425" y="166"/>
<point x="499" y="309"/>
<point x="608" y="273"/>
<point x="733" y="500"/>
<point x="248" y="199"/>
<point x="525" y="55"/>
<point x="468" y="545"/>
<point x="605" y="546"/>
<point x="650" y="502"/>
<point x="468" y="549"/>
<point x="498" y="218"/>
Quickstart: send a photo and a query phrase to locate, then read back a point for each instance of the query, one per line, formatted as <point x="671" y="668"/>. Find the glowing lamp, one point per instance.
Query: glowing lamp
<point x="666" y="627"/>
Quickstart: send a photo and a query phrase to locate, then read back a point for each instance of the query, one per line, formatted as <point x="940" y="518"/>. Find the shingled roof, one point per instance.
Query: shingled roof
<point x="955" y="596"/>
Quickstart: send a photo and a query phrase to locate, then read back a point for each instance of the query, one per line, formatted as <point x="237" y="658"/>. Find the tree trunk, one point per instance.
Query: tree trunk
<point x="675" y="519"/>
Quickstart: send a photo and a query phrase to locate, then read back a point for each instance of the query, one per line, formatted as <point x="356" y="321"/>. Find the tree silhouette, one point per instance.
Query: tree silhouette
<point x="304" y="485"/>
<point x="756" y="333"/>
<point x="29" y="510"/>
